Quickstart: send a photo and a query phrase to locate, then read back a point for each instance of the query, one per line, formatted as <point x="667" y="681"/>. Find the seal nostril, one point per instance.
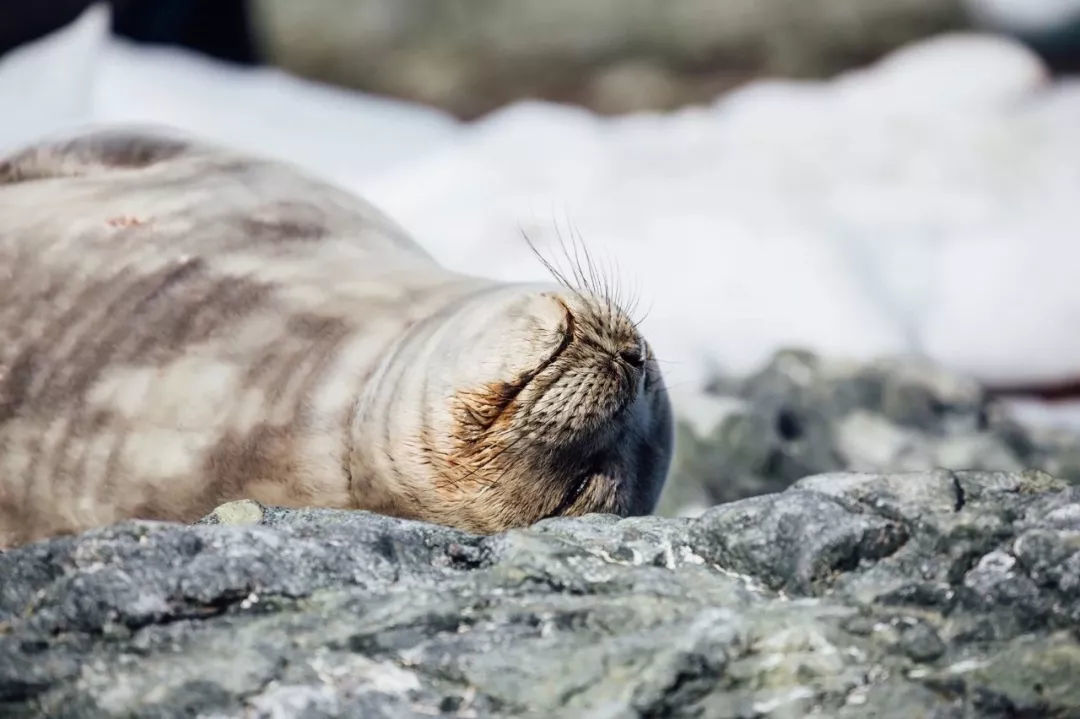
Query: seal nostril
<point x="633" y="357"/>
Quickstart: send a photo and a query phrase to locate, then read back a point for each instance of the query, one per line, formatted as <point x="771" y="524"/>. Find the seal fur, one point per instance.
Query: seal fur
<point x="182" y="325"/>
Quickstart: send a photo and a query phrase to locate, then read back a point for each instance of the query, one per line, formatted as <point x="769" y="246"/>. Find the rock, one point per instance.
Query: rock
<point x="943" y="594"/>
<point x="1050" y="26"/>
<point x="804" y="415"/>
<point x="612" y="55"/>
<point x="243" y="511"/>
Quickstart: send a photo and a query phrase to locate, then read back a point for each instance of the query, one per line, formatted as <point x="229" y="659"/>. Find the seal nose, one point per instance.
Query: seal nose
<point x="633" y="356"/>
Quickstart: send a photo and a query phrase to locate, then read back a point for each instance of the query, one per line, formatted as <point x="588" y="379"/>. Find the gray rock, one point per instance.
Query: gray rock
<point x="939" y="594"/>
<point x="611" y="55"/>
<point x="804" y="415"/>
<point x="1051" y="28"/>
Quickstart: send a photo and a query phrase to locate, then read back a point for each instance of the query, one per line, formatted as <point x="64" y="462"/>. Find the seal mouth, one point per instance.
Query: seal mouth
<point x="574" y="492"/>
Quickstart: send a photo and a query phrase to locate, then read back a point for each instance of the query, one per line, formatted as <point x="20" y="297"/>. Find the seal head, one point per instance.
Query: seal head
<point x="513" y="404"/>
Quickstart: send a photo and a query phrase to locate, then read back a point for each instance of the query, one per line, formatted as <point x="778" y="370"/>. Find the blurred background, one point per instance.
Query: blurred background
<point x="473" y="56"/>
<point x="893" y="179"/>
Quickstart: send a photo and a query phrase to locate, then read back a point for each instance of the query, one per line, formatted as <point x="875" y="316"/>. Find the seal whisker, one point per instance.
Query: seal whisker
<point x="586" y="274"/>
<point x="582" y="268"/>
<point x="558" y="275"/>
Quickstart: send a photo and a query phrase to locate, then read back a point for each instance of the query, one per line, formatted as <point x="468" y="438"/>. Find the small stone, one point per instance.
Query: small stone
<point x="921" y="642"/>
<point x="240" y="512"/>
<point x="862" y="626"/>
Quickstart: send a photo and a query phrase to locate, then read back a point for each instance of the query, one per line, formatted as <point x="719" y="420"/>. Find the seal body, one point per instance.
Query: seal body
<point x="181" y="325"/>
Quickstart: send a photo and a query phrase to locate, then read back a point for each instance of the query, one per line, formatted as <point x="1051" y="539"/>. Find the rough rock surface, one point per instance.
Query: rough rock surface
<point x="611" y="55"/>
<point x="930" y="594"/>
<point x="802" y="414"/>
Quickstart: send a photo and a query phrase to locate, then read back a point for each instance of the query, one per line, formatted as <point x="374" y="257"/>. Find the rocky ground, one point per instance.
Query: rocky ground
<point x="802" y="415"/>
<point x="610" y="55"/>
<point x="927" y="593"/>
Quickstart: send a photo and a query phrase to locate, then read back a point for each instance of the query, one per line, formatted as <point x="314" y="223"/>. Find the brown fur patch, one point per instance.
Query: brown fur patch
<point x="89" y="153"/>
<point x="284" y="222"/>
<point x="316" y="328"/>
<point x="126" y="149"/>
<point x="478" y="410"/>
<point x="129" y="317"/>
<point x="15" y="385"/>
<point x="484" y="417"/>
<point x="313" y="342"/>
<point x="236" y="463"/>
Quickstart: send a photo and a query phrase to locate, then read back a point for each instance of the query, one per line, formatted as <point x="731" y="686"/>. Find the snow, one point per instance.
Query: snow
<point x="47" y="85"/>
<point x="926" y="204"/>
<point x="338" y="133"/>
<point x="344" y="135"/>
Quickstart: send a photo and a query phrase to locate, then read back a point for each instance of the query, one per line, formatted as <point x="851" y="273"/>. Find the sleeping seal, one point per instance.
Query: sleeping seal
<point x="182" y="325"/>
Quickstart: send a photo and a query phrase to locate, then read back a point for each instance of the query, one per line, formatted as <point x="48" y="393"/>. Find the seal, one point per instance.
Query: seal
<point x="182" y="325"/>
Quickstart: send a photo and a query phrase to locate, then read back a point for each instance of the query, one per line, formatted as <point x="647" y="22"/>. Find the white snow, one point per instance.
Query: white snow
<point x="344" y="135"/>
<point x="80" y="76"/>
<point x="47" y="85"/>
<point x="927" y="204"/>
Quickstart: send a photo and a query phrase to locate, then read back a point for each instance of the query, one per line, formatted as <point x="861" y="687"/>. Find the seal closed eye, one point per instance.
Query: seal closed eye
<point x="183" y="325"/>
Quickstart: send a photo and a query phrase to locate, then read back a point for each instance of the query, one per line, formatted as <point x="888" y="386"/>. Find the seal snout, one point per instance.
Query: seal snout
<point x="634" y="356"/>
<point x="553" y="405"/>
